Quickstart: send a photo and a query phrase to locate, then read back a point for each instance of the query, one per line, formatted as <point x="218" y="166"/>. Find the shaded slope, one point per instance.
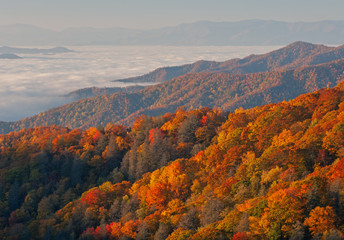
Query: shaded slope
<point x="95" y="91"/>
<point x="5" y="127"/>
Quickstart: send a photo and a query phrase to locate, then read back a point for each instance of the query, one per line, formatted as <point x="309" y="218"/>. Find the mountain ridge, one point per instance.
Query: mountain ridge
<point x="284" y="58"/>
<point x="227" y="91"/>
<point x="13" y="50"/>
<point x="203" y="33"/>
<point x="95" y="91"/>
<point x="206" y="89"/>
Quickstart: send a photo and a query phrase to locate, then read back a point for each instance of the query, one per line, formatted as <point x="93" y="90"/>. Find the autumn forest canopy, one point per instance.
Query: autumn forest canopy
<point x="236" y="162"/>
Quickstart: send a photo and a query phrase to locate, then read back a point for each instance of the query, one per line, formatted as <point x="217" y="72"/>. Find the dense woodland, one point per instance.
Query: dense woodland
<point x="269" y="172"/>
<point x="43" y="169"/>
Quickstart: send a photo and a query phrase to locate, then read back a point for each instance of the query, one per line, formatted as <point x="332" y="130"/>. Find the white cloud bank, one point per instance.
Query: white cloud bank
<point x="36" y="82"/>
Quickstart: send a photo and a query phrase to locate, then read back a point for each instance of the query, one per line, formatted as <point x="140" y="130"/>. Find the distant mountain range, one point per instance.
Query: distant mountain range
<point x="9" y="56"/>
<point x="294" y="55"/>
<point x="291" y="73"/>
<point x="12" y="50"/>
<point x="250" y="32"/>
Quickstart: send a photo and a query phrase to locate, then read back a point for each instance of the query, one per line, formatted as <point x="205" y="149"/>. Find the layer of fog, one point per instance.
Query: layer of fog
<point x="36" y="82"/>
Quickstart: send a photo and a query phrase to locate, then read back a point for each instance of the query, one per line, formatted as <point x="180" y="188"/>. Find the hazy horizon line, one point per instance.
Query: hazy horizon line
<point x="166" y="26"/>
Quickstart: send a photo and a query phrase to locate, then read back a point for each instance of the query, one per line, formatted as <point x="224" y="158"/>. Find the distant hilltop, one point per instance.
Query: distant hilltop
<point x="9" y="56"/>
<point x="11" y="50"/>
<point x="94" y="91"/>
<point x="203" y="33"/>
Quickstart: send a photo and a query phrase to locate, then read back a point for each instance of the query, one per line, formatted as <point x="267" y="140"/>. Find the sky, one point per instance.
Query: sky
<point x="149" y="14"/>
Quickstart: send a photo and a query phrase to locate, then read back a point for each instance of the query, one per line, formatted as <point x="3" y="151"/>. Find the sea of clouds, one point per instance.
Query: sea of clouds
<point x="36" y="83"/>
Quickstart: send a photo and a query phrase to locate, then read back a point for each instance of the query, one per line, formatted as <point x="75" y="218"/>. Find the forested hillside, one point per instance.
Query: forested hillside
<point x="223" y="90"/>
<point x="43" y="169"/>
<point x="270" y="172"/>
